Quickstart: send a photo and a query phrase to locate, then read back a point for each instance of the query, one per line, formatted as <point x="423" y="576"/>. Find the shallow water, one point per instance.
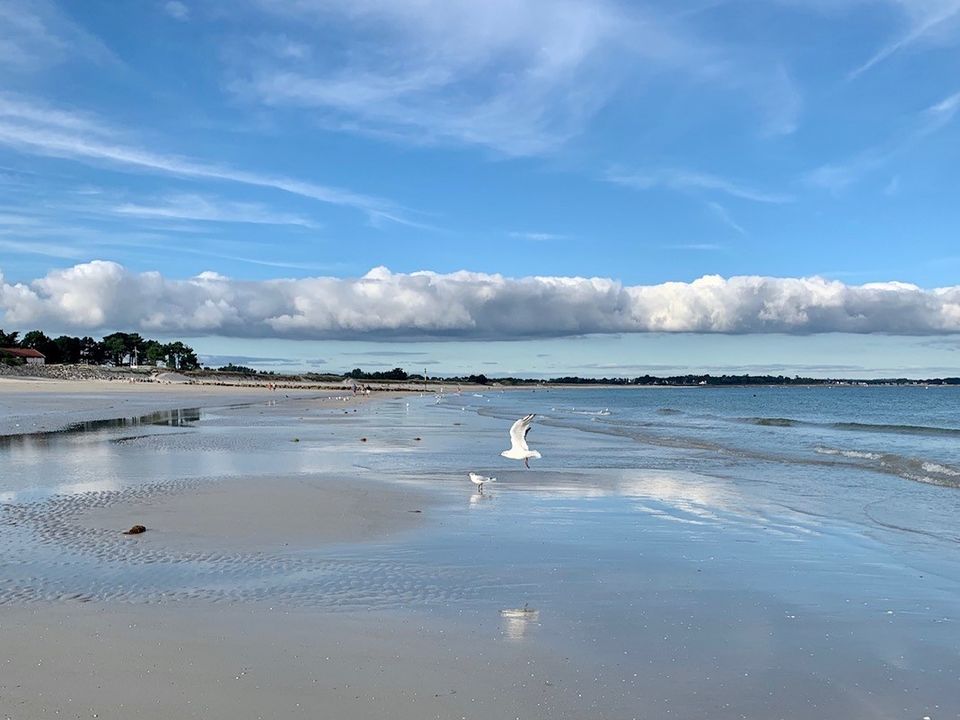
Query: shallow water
<point x="668" y="535"/>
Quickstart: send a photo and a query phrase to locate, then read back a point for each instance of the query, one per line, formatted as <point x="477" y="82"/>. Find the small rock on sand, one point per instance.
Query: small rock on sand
<point x="135" y="530"/>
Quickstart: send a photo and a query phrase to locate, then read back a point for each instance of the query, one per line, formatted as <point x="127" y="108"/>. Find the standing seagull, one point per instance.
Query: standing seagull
<point x="518" y="441"/>
<point x="479" y="480"/>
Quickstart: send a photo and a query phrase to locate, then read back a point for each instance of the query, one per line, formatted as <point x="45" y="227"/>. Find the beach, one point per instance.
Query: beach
<point x="677" y="554"/>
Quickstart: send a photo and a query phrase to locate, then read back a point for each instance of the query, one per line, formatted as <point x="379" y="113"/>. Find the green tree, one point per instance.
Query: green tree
<point x="115" y="347"/>
<point x="9" y="339"/>
<point x="122" y="347"/>
<point x="69" y="348"/>
<point x="92" y="352"/>
<point x="242" y="369"/>
<point x="181" y="357"/>
<point x="154" y="352"/>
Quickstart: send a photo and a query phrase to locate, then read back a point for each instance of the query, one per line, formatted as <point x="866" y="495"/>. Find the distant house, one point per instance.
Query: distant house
<point x="29" y="355"/>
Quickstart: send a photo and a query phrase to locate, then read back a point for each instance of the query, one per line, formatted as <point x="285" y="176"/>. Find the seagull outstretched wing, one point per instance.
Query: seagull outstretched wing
<point x="518" y="433"/>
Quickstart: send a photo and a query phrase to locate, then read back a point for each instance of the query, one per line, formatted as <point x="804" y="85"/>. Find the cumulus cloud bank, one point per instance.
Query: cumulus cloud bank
<point x="103" y="295"/>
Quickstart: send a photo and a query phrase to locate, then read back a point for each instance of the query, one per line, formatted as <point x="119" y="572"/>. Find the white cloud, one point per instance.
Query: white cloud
<point x="692" y="180"/>
<point x="385" y="305"/>
<point x="177" y="10"/>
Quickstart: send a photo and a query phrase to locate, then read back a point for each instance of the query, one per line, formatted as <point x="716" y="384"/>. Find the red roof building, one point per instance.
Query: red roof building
<point x="33" y="357"/>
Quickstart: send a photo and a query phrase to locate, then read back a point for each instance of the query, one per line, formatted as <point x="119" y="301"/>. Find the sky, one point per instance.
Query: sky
<point x="534" y="187"/>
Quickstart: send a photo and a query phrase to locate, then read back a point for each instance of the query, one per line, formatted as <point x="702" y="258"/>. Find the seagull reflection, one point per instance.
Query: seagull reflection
<point x="517" y="622"/>
<point x="478" y="498"/>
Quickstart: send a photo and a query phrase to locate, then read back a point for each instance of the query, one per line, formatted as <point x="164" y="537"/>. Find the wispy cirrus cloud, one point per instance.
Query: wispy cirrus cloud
<point x="838" y="176"/>
<point x="686" y="180"/>
<point x="520" y="77"/>
<point x="16" y="219"/>
<point x="37" y="128"/>
<point x="177" y="10"/>
<point x="924" y="20"/>
<point x="396" y="306"/>
<point x="699" y="247"/>
<point x="36" y="35"/>
<point x="916" y="23"/>
<point x="722" y="214"/>
<point x="537" y="236"/>
<point x="525" y="75"/>
<point x="32" y="247"/>
<point x="208" y="209"/>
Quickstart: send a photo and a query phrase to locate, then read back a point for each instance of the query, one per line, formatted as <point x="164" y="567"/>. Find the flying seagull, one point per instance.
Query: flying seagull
<point x="479" y="480"/>
<point x="518" y="441"/>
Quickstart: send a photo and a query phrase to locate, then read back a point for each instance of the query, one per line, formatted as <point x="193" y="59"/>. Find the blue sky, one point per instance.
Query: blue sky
<point x="642" y="143"/>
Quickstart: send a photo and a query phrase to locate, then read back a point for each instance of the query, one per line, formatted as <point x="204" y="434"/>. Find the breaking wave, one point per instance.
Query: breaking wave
<point x="917" y="469"/>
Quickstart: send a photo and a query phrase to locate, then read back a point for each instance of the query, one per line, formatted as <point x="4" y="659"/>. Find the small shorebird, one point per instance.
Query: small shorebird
<point x="479" y="480"/>
<point x="518" y="441"/>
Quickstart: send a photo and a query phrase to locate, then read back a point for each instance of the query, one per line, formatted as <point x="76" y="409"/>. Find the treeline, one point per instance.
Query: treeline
<point x="115" y="349"/>
<point x="740" y="380"/>
<point x="704" y="379"/>
<point x="398" y="374"/>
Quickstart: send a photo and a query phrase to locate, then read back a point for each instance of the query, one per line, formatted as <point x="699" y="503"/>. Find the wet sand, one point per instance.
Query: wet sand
<point x="228" y="515"/>
<point x="35" y="405"/>
<point x="162" y="663"/>
<point x="283" y="579"/>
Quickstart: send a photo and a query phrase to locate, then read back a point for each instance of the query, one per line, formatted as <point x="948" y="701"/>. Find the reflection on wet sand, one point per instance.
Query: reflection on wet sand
<point x="169" y="418"/>
<point x="480" y="500"/>
<point x="518" y="622"/>
<point x="676" y="496"/>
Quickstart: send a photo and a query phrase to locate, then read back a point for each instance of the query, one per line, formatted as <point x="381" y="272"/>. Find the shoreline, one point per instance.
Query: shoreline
<point x="30" y="405"/>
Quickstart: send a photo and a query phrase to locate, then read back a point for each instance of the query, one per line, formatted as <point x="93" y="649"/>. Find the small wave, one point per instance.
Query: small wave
<point x="669" y="411"/>
<point x="932" y="467"/>
<point x="592" y="413"/>
<point x="930" y="479"/>
<point x="857" y="454"/>
<point x="856" y="426"/>
<point x="897" y="429"/>
<point x="773" y="421"/>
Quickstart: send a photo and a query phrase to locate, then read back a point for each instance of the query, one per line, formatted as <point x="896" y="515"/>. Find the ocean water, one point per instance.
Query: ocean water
<point x="765" y="547"/>
<point x="885" y="460"/>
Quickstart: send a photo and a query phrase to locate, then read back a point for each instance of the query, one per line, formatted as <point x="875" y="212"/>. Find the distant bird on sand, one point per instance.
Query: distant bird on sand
<point x="518" y="441"/>
<point x="479" y="480"/>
